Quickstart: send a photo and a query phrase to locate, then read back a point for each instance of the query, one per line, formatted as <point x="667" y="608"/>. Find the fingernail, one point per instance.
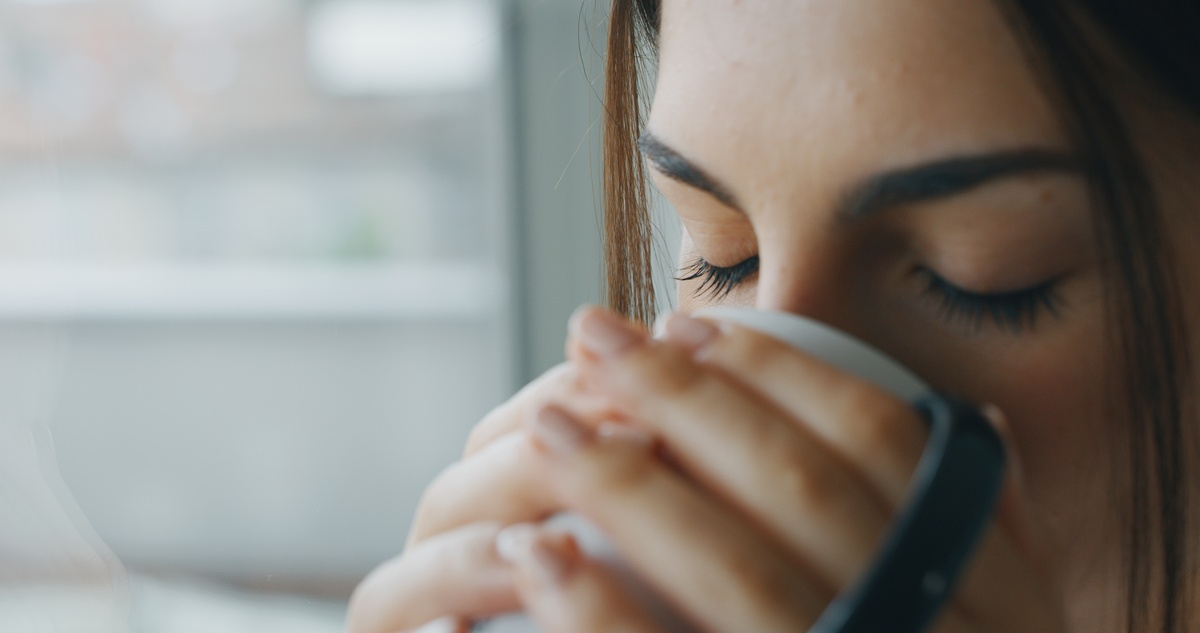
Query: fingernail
<point x="442" y="625"/>
<point x="558" y="431"/>
<point x="604" y="333"/>
<point x="513" y="541"/>
<point x="551" y="561"/>
<point x="613" y="432"/>
<point x="690" y="333"/>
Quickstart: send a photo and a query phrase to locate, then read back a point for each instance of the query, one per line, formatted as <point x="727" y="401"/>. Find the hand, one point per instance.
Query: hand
<point x="783" y="475"/>
<point x="449" y="566"/>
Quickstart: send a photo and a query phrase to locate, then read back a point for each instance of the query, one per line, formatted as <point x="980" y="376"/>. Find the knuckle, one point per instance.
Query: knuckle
<point x="800" y="471"/>
<point x="366" y="604"/>
<point x="558" y="380"/>
<point x="443" y="481"/>
<point x="357" y="607"/>
<point x="877" y="422"/>
<point x="766" y="587"/>
<point x="745" y="348"/>
<point x="749" y="345"/>
<point x="616" y="472"/>
<point x="432" y="507"/>
<point x="664" y="371"/>
<point x="459" y="562"/>
<point x="484" y="431"/>
<point x="799" y="479"/>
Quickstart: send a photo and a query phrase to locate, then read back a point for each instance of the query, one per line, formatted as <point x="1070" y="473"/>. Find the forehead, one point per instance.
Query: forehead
<point x="811" y="92"/>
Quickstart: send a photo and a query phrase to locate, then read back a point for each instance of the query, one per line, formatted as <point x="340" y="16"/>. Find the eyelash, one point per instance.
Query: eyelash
<point x="1013" y="311"/>
<point x="717" y="282"/>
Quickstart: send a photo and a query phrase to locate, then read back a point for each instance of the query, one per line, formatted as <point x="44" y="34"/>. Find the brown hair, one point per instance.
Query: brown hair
<point x="1160" y="39"/>
<point x="629" y="287"/>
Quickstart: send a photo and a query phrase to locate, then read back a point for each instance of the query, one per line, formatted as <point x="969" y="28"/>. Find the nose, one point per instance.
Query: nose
<point x="808" y="277"/>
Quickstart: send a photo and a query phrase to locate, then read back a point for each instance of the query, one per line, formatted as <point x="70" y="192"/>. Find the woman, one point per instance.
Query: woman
<point x="1000" y="195"/>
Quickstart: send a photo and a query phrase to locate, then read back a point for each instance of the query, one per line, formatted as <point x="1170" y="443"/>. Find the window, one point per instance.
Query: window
<point x="258" y="272"/>
<point x="190" y="159"/>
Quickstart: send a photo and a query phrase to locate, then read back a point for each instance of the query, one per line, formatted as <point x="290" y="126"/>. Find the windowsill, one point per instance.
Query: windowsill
<point x="254" y="292"/>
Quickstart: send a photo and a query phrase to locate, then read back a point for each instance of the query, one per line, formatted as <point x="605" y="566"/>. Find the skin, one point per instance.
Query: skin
<point x="717" y="454"/>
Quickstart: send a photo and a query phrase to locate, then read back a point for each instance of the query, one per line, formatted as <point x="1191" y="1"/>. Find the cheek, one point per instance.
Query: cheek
<point x="1054" y="397"/>
<point x="1058" y="415"/>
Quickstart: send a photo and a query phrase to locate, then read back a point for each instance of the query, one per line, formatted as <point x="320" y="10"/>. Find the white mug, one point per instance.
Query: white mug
<point x="817" y="339"/>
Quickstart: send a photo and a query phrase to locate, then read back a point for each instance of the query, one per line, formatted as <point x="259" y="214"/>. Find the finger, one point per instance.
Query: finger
<point x="457" y="574"/>
<point x="866" y="425"/>
<point x="492" y="482"/>
<point x="496" y="484"/>
<point x="717" y="568"/>
<point x="881" y="437"/>
<point x="561" y="382"/>
<point x="884" y="440"/>
<point x="507" y="417"/>
<point x="855" y="419"/>
<point x="565" y="592"/>
<point x="720" y="425"/>
<point x="750" y="452"/>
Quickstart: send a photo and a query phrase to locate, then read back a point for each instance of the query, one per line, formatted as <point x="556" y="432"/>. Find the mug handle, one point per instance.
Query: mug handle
<point x="951" y="500"/>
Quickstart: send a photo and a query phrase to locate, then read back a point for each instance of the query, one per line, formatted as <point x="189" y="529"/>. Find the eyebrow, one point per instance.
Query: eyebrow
<point x="926" y="182"/>
<point x="674" y="166"/>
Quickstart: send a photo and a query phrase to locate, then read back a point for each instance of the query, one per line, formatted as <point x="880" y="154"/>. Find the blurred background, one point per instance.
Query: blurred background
<point x="263" y="263"/>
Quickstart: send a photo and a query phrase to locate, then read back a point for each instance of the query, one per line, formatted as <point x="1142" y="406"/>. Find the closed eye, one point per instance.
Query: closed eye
<point x="1013" y="311"/>
<point x="718" y="281"/>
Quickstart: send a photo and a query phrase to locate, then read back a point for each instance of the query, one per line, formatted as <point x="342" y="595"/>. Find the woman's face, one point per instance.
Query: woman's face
<point x="899" y="174"/>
